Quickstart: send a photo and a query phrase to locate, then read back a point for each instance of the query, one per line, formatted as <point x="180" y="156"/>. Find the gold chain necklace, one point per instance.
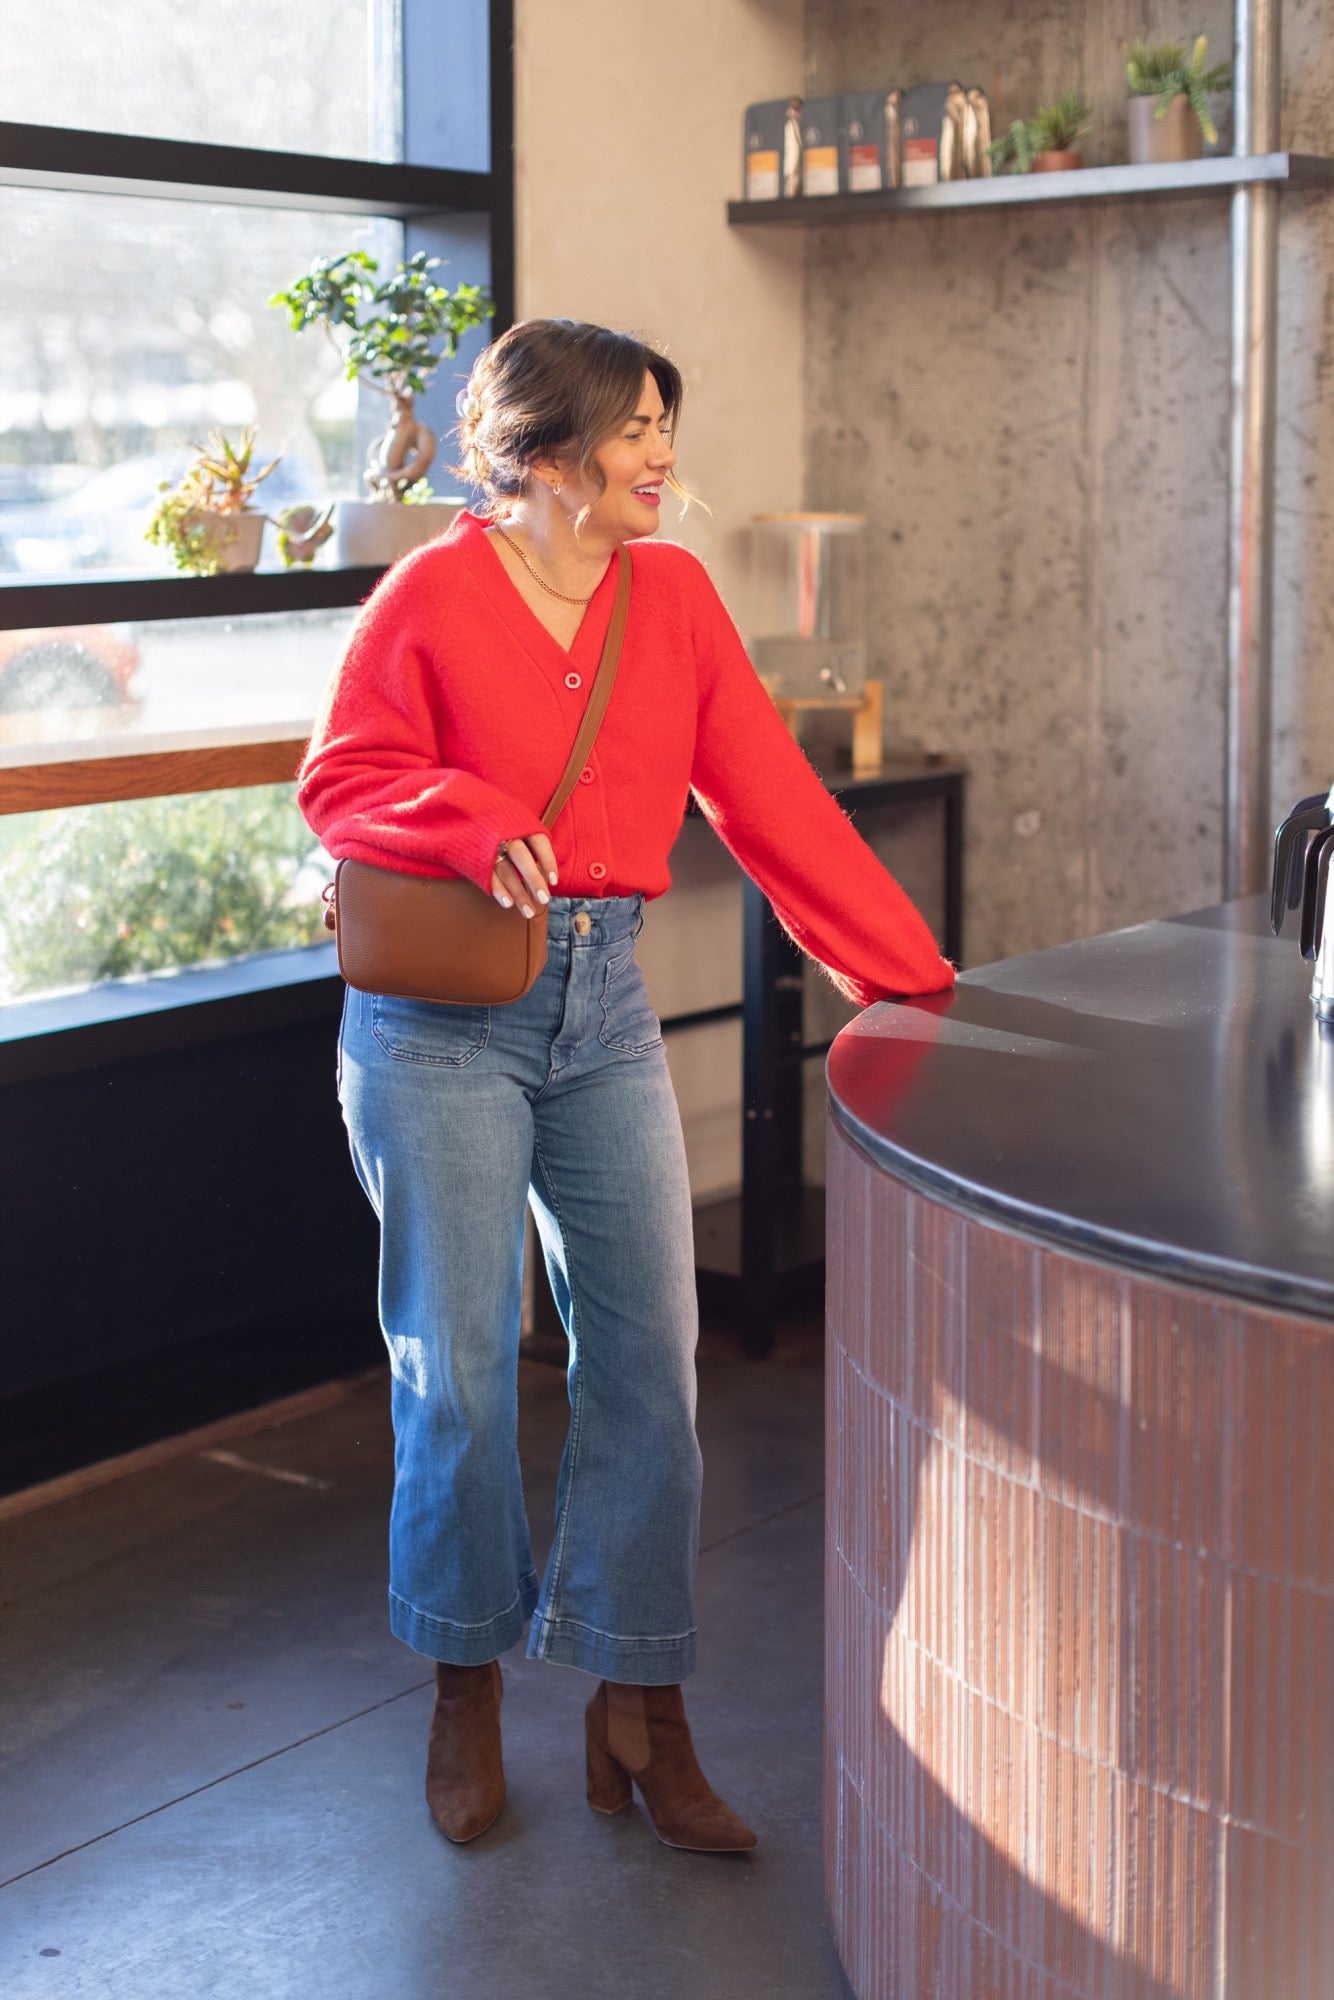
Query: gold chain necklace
<point x="540" y="581"/>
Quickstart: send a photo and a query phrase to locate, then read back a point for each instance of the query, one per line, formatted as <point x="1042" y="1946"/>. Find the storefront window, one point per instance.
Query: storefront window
<point x="108" y="892"/>
<point x="302" y="79"/>
<point x="135" y="323"/>
<point x="132" y="327"/>
<point x="163" y="684"/>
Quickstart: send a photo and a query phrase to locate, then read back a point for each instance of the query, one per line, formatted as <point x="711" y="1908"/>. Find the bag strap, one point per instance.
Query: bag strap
<point x="600" y="694"/>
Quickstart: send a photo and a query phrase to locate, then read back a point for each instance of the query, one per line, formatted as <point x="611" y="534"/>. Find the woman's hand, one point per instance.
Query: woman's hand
<point x="523" y="871"/>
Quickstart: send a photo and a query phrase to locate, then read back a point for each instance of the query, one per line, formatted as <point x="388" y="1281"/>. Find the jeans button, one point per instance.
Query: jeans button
<point x="583" y="924"/>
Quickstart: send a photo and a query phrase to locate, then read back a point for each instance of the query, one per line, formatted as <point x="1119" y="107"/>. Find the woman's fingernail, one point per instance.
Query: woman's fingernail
<point x="542" y="896"/>
<point x="527" y="912"/>
<point x="504" y="902"/>
<point x="552" y="878"/>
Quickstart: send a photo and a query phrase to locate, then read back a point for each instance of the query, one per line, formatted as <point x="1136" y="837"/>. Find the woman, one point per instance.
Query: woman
<point x="445" y="731"/>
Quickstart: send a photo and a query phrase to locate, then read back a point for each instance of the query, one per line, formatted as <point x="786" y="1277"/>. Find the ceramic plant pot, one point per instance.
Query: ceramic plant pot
<point x="233" y="540"/>
<point x="1057" y="163"/>
<point x="1154" y="140"/>
<point x="376" y="532"/>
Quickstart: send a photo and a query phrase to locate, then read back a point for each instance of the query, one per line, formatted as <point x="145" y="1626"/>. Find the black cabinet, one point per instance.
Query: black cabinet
<point x="764" y="1246"/>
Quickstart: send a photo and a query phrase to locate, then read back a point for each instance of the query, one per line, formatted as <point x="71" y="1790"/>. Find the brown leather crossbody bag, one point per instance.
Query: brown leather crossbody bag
<point x="419" y="938"/>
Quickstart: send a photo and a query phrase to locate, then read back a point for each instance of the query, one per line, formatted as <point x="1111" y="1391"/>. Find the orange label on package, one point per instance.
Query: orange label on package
<point x="863" y="167"/>
<point x="762" y="176"/>
<point x="819" y="170"/>
<point x="919" y="162"/>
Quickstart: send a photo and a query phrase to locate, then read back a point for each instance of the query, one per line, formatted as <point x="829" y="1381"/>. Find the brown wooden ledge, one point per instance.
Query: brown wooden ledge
<point x="89" y="781"/>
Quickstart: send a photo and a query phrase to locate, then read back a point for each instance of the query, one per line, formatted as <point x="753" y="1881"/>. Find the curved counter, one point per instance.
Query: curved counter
<point x="1080" y="1629"/>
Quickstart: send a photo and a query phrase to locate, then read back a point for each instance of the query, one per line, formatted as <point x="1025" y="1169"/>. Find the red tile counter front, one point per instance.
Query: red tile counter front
<point x="1080" y="1620"/>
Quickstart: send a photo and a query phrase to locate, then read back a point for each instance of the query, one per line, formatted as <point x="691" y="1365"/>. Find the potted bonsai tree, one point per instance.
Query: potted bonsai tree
<point x="1168" y="111"/>
<point x="393" y="333"/>
<point x="1044" y="143"/>
<point x="205" y="521"/>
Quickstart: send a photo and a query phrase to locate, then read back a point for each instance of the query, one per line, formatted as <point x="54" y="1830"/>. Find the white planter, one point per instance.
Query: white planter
<point x="234" y="539"/>
<point x="376" y="532"/>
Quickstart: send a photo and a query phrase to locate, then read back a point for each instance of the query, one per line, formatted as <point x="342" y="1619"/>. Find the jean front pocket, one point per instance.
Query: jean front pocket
<point x="629" y="1024"/>
<point x="429" y="1031"/>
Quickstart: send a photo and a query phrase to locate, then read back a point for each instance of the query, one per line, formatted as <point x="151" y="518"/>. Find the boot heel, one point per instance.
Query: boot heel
<point x="608" y="1782"/>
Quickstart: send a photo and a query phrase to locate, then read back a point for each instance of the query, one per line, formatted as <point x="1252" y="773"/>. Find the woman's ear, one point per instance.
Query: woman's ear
<point x="549" y="471"/>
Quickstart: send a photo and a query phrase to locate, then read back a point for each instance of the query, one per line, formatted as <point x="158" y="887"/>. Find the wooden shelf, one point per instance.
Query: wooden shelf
<point x="1219" y="175"/>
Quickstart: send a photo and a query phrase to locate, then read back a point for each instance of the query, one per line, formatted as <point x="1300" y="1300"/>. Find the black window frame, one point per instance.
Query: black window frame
<point x="70" y="160"/>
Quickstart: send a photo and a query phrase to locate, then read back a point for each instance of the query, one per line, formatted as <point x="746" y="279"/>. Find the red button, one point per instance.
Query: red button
<point x="586" y="775"/>
<point x="596" y="870"/>
<point x="573" y="681"/>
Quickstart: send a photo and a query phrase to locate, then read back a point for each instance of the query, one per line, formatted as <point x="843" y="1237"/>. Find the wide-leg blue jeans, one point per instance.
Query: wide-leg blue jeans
<point x="458" y="1117"/>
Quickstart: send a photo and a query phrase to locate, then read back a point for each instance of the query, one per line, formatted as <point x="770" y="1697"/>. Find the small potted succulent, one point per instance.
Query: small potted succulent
<point x="394" y="333"/>
<point x="205" y="521"/>
<point x="1044" y="143"/>
<point x="1168" y="111"/>
<point x="302" y="531"/>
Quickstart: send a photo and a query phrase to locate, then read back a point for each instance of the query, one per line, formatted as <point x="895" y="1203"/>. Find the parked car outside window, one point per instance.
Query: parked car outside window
<point x="67" y="667"/>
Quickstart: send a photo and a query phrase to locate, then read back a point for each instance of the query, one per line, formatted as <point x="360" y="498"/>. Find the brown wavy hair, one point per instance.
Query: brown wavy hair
<point x="554" y="388"/>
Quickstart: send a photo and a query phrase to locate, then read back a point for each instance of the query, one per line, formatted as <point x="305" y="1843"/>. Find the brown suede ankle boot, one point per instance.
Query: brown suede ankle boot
<point x="641" y="1733"/>
<point x="465" y="1779"/>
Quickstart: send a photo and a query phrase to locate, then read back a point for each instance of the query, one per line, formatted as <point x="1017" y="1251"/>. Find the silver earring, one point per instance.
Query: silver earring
<point x="556" y="487"/>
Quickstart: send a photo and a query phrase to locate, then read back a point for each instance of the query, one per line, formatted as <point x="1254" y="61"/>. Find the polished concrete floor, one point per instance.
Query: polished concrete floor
<point x="213" y="1748"/>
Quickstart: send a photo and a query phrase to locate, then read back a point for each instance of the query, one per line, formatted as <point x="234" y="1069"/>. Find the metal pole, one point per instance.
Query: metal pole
<point x="1246" y="808"/>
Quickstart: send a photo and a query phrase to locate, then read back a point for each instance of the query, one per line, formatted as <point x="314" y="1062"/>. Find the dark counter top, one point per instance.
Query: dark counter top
<point x="1161" y="1098"/>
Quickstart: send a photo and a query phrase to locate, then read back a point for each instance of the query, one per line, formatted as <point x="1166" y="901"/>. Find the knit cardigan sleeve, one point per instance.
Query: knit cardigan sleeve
<point x="768" y="805"/>
<point x="373" y="784"/>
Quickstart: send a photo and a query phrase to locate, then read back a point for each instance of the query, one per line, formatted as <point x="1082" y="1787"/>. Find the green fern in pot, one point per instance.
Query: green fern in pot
<point x="1046" y="142"/>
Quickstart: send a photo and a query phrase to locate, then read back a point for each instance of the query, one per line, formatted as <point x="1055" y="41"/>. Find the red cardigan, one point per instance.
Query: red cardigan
<point x="448" y="723"/>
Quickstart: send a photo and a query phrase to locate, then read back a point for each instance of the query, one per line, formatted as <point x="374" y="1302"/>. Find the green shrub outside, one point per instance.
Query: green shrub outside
<point x="98" y="892"/>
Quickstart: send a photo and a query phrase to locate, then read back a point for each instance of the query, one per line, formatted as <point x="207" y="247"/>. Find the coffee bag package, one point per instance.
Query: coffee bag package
<point x="921" y="123"/>
<point x="956" y="135"/>
<point x="771" y="149"/>
<point x="977" y="164"/>
<point x="894" y="139"/>
<point x="863" y="141"/>
<point x="820" y="121"/>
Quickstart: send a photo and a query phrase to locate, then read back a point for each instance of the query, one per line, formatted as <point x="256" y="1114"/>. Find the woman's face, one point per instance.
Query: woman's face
<point x="634" y="463"/>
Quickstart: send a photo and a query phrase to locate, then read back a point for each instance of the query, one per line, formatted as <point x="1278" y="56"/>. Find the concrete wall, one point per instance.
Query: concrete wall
<point x="1033" y="410"/>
